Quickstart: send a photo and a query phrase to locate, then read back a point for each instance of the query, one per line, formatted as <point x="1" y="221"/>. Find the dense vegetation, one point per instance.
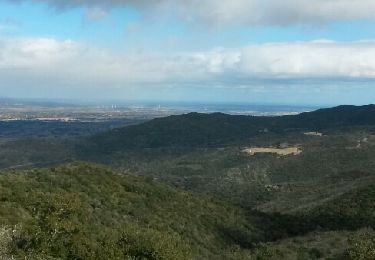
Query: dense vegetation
<point x="202" y="130"/>
<point x="35" y="128"/>
<point x="349" y="211"/>
<point x="80" y="211"/>
<point x="182" y="188"/>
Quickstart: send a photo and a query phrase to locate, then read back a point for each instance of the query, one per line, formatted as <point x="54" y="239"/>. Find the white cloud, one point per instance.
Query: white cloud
<point x="51" y="63"/>
<point x="36" y="53"/>
<point x="276" y="12"/>
<point x="310" y="59"/>
<point x="243" y="12"/>
<point x="96" y="13"/>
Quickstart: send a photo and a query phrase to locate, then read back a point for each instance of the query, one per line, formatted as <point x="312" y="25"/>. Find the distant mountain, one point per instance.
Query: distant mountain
<point x="340" y="116"/>
<point x="196" y="129"/>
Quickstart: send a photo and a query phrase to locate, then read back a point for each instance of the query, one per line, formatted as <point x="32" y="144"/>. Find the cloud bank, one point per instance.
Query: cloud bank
<point x="237" y="12"/>
<point x="52" y="62"/>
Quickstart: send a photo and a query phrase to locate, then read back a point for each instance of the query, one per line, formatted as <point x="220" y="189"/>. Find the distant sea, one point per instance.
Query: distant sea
<point x="241" y="109"/>
<point x="261" y="110"/>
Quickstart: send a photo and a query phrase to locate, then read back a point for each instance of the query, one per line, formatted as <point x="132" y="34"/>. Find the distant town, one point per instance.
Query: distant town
<point x="13" y="110"/>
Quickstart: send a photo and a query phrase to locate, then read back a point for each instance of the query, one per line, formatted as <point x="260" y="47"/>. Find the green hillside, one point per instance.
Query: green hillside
<point x="327" y="167"/>
<point x="202" y="130"/>
<point x="81" y="211"/>
<point x="183" y="188"/>
<point x="352" y="210"/>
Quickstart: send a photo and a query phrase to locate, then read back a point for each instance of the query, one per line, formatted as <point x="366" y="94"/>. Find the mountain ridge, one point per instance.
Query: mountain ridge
<point x="216" y="129"/>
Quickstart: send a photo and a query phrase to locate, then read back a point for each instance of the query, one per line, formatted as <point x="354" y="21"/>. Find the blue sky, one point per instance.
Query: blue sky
<point x="239" y="51"/>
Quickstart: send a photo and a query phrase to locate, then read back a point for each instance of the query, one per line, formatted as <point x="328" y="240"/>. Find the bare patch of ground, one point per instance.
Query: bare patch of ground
<point x="278" y="151"/>
<point x="313" y="134"/>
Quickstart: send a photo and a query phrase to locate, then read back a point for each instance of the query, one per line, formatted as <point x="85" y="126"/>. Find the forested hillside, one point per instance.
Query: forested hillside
<point x="184" y="187"/>
<point x="202" y="130"/>
<point x="82" y="211"/>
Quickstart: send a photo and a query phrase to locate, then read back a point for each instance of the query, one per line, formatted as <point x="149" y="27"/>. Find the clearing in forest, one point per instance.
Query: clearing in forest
<point x="278" y="151"/>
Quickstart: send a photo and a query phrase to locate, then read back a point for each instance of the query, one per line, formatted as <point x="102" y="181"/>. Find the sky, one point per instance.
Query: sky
<point x="298" y="52"/>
